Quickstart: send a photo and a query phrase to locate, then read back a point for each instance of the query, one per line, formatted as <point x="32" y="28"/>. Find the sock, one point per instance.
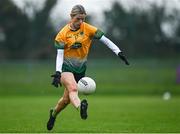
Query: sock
<point x="75" y="99"/>
<point x="78" y="108"/>
<point x="54" y="113"/>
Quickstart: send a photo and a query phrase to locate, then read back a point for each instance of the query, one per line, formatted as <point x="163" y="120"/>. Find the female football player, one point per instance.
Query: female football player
<point x="73" y="43"/>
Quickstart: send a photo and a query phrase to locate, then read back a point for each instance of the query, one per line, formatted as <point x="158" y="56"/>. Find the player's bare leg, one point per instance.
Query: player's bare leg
<point x="67" y="78"/>
<point x="62" y="103"/>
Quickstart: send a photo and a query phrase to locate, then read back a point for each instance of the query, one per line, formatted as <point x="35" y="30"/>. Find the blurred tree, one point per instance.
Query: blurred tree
<point x="25" y="37"/>
<point x="41" y="32"/>
<point x="176" y="39"/>
<point x="139" y="32"/>
<point x="13" y="25"/>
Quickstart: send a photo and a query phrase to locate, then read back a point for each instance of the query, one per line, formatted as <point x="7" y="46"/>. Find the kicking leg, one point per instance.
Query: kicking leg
<point x="69" y="81"/>
<point x="67" y="78"/>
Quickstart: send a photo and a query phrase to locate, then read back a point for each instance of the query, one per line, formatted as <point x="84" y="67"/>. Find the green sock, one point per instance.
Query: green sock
<point x="78" y="108"/>
<point x="54" y="113"/>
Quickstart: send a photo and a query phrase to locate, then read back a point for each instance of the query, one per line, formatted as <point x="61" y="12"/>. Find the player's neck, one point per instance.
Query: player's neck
<point x="72" y="27"/>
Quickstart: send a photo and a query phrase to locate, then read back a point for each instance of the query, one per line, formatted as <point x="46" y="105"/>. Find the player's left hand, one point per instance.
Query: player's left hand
<point x="56" y="79"/>
<point x="123" y="57"/>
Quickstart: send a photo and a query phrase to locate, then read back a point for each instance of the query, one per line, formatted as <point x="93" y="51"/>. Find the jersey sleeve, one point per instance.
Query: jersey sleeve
<point x="98" y="34"/>
<point x="59" y="41"/>
<point x="94" y="32"/>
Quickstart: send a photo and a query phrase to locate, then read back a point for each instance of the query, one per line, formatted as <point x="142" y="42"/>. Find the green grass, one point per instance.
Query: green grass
<point x="127" y="99"/>
<point x="145" y="77"/>
<point x="109" y="114"/>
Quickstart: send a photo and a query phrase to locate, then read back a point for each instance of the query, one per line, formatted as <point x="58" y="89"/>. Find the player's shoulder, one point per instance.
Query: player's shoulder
<point x="88" y="26"/>
<point x="61" y="34"/>
<point x="64" y="29"/>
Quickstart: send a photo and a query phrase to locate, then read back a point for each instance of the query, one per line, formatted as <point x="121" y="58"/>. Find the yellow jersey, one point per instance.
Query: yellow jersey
<point x="76" y="45"/>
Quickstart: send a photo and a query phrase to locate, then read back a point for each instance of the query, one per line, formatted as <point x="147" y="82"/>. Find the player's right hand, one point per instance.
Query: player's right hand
<point x="56" y="79"/>
<point x="123" y="57"/>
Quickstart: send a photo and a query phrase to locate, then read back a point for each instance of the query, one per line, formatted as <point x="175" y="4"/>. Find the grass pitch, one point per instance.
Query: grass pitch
<point x="107" y="114"/>
<point x="128" y="99"/>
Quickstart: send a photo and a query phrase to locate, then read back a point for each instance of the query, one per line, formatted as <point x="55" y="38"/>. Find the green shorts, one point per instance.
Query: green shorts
<point x="77" y="75"/>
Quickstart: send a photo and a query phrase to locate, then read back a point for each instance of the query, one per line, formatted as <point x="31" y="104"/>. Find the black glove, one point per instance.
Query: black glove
<point x="122" y="56"/>
<point x="56" y="79"/>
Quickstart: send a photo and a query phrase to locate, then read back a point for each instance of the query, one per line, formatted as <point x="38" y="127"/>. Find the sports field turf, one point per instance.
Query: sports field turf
<point x="128" y="99"/>
<point x="106" y="114"/>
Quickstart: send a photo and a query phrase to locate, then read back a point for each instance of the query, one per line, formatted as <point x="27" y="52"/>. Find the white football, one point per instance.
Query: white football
<point x="86" y="85"/>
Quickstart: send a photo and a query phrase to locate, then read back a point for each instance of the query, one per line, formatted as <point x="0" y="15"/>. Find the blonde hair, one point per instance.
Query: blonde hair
<point x="77" y="9"/>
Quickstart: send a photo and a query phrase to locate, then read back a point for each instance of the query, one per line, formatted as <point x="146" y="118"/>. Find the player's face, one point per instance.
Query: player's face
<point x="78" y="20"/>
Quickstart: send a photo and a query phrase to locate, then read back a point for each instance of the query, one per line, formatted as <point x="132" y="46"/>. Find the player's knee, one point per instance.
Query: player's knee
<point x="73" y="88"/>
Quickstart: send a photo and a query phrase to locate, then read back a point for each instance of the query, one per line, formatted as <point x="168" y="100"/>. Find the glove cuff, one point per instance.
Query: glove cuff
<point x="58" y="73"/>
